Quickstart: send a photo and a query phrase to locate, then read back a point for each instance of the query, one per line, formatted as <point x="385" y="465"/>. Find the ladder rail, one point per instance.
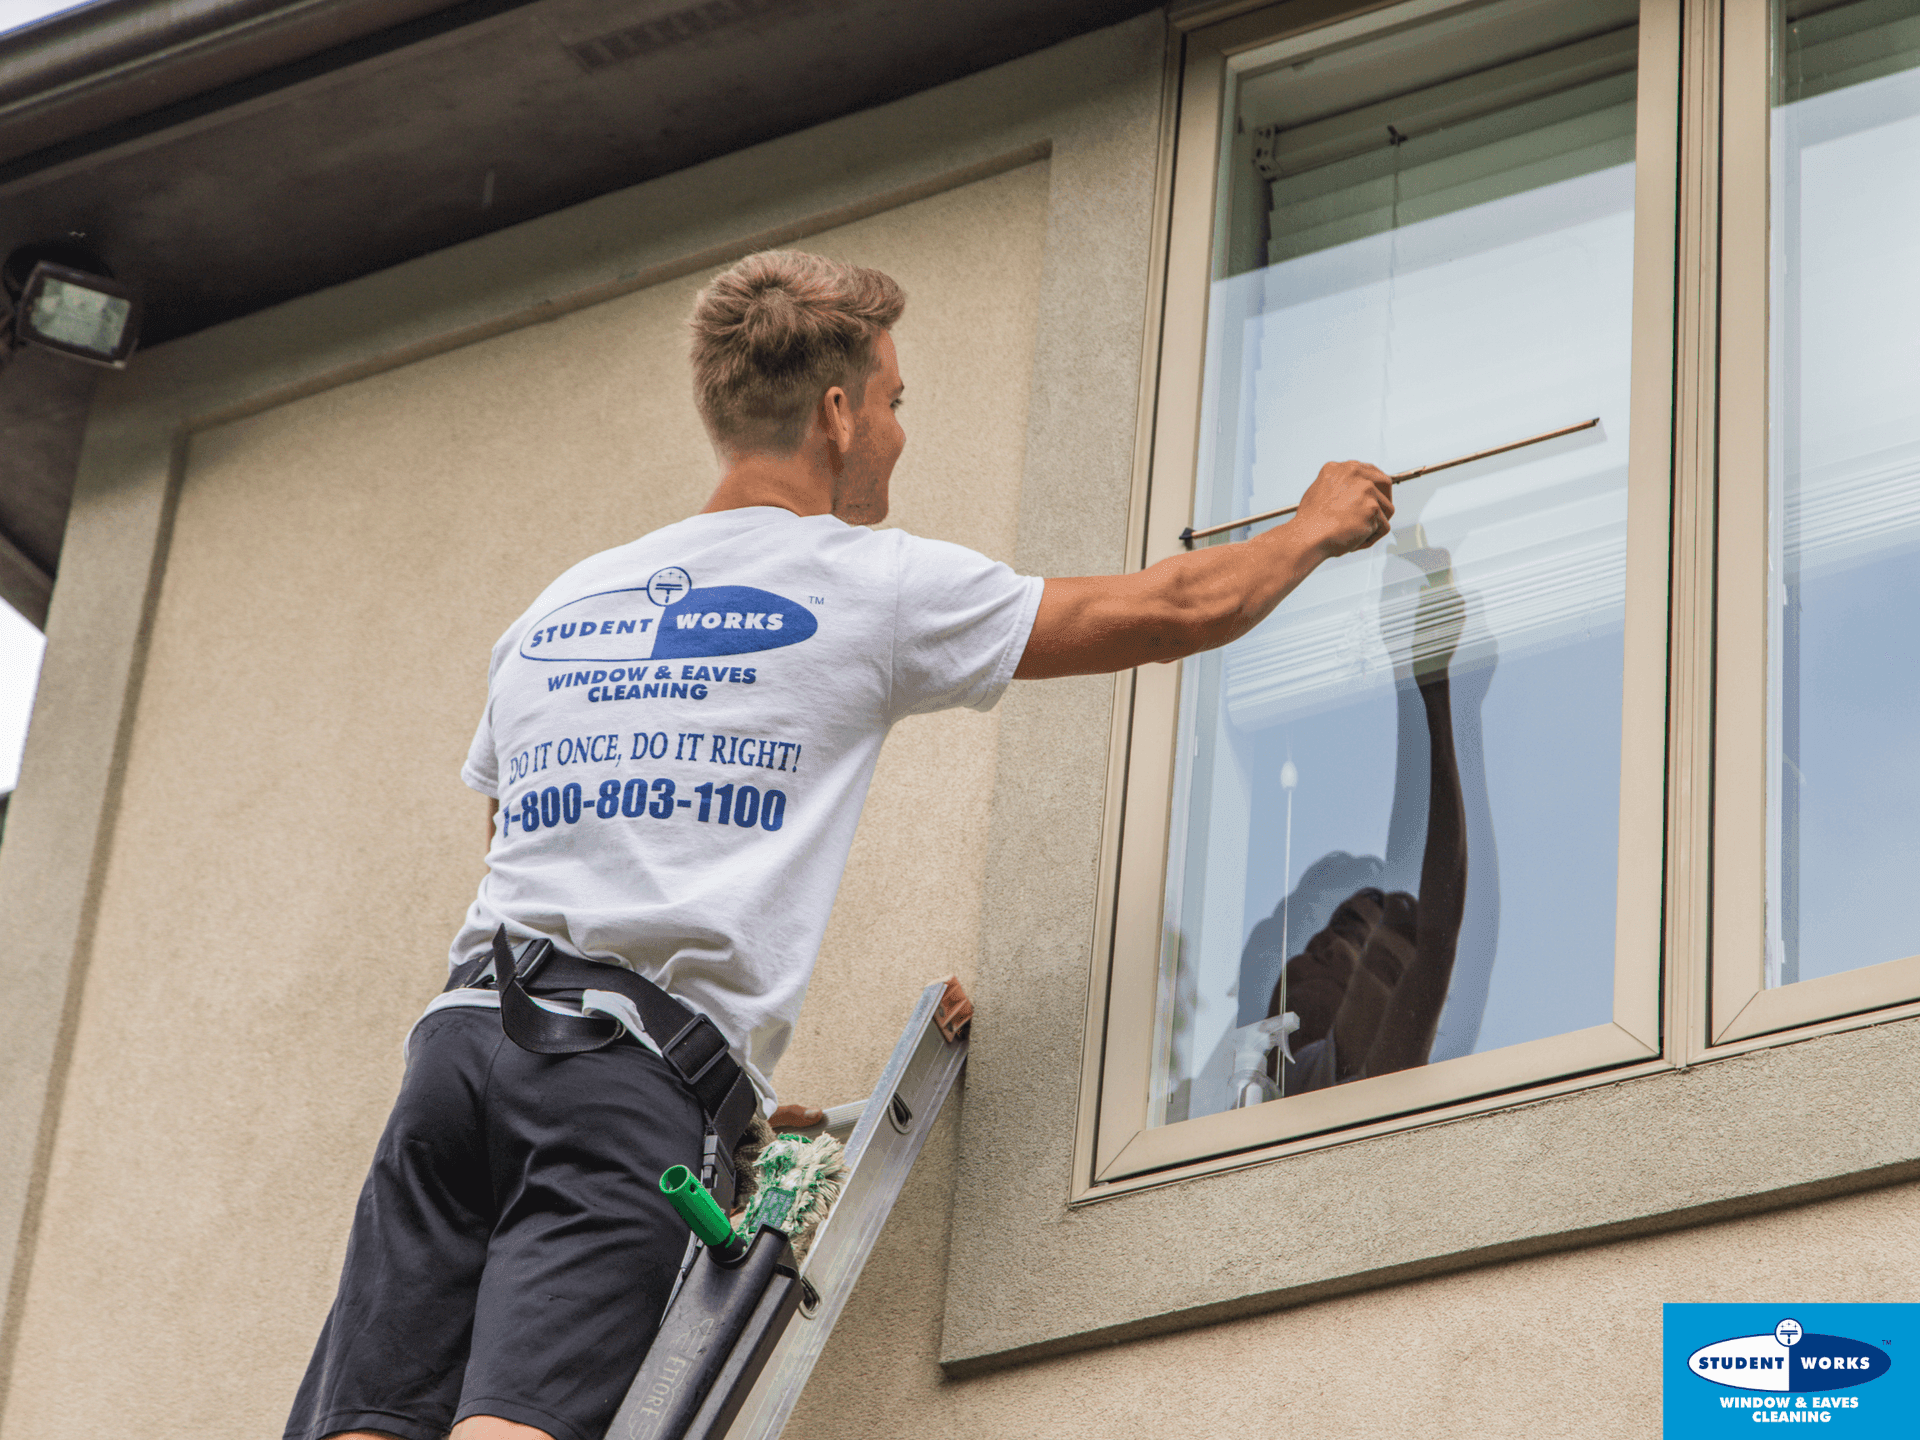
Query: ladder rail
<point x="892" y="1129"/>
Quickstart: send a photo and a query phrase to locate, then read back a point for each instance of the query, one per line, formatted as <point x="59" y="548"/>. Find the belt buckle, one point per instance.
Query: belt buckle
<point x="720" y="1051"/>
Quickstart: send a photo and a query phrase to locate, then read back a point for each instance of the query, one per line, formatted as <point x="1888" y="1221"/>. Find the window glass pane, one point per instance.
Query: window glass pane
<point x="1845" y="487"/>
<point x="1405" y="784"/>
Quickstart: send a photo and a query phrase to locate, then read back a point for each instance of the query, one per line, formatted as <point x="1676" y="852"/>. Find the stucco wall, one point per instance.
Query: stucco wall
<point x="294" y="848"/>
<point x="1557" y="1346"/>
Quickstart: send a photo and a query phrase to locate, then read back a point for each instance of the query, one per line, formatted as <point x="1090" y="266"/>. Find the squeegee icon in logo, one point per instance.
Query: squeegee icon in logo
<point x="668" y="585"/>
<point x="666" y="619"/>
<point x="1789" y="1361"/>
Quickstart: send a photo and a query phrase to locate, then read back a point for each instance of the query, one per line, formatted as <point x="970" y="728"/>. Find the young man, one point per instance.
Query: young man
<point x="667" y="875"/>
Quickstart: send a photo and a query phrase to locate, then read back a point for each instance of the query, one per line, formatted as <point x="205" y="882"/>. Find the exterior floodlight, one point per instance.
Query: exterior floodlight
<point x="87" y="316"/>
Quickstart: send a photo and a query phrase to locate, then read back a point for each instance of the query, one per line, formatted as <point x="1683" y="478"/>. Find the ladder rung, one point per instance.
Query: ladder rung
<point x="842" y="1119"/>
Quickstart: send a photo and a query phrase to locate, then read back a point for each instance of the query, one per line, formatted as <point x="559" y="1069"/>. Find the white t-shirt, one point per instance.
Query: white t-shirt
<point x="681" y="731"/>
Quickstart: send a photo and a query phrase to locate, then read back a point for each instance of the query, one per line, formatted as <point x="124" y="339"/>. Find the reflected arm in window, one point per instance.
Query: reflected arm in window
<point x="1375" y="979"/>
<point x="1098" y="624"/>
<point x="1412" y="980"/>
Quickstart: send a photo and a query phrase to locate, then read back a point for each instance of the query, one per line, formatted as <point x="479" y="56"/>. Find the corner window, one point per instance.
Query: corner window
<point x="1394" y="846"/>
<point x="1396" y="802"/>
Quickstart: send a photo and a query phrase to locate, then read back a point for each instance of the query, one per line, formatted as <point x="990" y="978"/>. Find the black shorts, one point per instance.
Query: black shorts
<point x="511" y="1253"/>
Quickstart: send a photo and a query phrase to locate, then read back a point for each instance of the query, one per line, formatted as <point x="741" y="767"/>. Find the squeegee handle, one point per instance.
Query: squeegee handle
<point x="1189" y="535"/>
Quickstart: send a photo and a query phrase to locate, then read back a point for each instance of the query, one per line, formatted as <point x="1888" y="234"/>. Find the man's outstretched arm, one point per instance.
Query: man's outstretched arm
<point x="1097" y="624"/>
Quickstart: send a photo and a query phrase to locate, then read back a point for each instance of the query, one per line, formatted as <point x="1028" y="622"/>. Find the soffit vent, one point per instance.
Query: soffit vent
<point x="681" y="27"/>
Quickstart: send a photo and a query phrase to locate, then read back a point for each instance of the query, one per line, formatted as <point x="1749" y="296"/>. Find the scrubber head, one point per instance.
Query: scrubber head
<point x="796" y="1181"/>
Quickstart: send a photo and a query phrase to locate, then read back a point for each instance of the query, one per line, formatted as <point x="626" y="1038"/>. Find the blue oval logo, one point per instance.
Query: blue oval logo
<point x="1804" y="1364"/>
<point x="620" y="627"/>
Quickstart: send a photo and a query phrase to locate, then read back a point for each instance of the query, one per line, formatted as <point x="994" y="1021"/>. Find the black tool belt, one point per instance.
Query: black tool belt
<point x="689" y="1042"/>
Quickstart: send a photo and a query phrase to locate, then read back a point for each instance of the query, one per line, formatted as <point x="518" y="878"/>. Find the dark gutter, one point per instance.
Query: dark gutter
<point x="94" y="78"/>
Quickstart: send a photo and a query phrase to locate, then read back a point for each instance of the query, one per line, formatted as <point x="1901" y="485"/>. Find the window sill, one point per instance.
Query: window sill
<point x="1736" y="1135"/>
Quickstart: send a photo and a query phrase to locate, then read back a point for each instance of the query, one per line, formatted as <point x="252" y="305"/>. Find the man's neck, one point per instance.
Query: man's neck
<point x="801" y="482"/>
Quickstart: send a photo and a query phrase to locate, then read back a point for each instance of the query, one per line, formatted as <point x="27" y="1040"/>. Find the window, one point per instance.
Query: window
<point x="1842" y="527"/>
<point x="1422" y="840"/>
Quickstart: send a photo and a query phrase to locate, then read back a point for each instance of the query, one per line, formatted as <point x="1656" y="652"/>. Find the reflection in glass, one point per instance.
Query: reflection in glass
<point x="1844" y="487"/>
<point x="1396" y="806"/>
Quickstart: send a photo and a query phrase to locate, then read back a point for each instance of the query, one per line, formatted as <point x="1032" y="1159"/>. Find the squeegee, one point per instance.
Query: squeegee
<point x="1189" y="535"/>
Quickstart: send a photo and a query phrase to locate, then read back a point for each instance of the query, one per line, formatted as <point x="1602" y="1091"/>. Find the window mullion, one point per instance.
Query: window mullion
<point x="1690" y="676"/>
<point x="1738" y="941"/>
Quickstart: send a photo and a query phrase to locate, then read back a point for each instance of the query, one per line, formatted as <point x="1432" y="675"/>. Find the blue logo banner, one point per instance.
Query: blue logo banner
<point x="1852" y="1369"/>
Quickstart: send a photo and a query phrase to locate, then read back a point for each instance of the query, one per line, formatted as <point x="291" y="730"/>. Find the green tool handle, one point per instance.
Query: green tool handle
<point x="698" y="1208"/>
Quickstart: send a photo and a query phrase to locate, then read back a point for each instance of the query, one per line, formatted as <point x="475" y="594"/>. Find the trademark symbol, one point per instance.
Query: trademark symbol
<point x="816" y="599"/>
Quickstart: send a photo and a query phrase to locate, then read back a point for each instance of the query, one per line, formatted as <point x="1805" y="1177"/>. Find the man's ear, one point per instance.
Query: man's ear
<point x="836" y="416"/>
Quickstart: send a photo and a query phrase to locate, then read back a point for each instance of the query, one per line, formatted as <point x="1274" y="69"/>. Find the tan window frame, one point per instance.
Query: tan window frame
<point x="1120" y="1151"/>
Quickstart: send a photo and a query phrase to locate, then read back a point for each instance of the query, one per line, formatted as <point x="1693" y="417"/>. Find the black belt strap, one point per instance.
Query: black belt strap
<point x="689" y="1042"/>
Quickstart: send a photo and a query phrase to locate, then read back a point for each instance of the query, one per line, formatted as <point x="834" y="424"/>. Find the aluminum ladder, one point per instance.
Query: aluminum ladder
<point x="888" y="1130"/>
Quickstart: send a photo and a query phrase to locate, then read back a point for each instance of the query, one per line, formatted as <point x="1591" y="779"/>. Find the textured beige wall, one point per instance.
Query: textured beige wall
<point x="293" y="847"/>
<point x="1558" y="1346"/>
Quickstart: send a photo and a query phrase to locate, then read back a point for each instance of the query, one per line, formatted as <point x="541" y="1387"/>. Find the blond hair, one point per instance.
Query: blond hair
<point x="774" y="333"/>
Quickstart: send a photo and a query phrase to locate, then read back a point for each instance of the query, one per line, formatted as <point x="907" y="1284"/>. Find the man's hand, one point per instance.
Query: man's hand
<point x="953" y="1016"/>
<point x="1348" y="506"/>
<point x="796" y="1117"/>
<point x="955" y="1012"/>
<point x="1422" y="614"/>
